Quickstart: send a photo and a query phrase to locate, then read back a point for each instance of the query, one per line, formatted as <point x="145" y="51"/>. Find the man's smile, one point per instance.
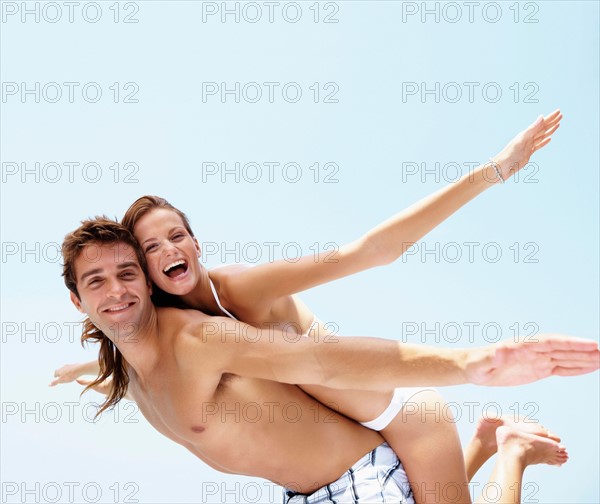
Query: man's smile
<point x="119" y="308"/>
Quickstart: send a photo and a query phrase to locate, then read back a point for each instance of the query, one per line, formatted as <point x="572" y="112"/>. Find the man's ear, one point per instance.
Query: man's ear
<point x="75" y="300"/>
<point x="198" y="249"/>
<point x="150" y="288"/>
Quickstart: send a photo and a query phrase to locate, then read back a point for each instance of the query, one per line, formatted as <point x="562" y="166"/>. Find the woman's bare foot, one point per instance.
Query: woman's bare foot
<point x="529" y="448"/>
<point x="485" y="432"/>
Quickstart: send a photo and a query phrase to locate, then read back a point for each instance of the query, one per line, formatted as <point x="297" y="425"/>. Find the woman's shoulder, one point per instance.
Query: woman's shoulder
<point x="230" y="282"/>
<point x="228" y="270"/>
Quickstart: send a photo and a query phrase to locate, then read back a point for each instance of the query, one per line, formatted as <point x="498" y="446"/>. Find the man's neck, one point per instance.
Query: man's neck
<point x="139" y="346"/>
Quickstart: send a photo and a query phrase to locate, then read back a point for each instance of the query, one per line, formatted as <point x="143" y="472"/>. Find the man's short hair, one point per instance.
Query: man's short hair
<point x="98" y="231"/>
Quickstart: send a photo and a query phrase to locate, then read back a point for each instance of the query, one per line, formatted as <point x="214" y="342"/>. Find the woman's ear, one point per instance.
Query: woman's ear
<point x="198" y="249"/>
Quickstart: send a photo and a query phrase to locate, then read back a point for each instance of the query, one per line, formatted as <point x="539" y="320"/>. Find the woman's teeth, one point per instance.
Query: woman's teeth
<point x="172" y="265"/>
<point x="175" y="269"/>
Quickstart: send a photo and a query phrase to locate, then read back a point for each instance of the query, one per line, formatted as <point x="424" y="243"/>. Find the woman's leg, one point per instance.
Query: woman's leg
<point x="483" y="444"/>
<point x="423" y="435"/>
<point x="425" y="438"/>
<point x="517" y="450"/>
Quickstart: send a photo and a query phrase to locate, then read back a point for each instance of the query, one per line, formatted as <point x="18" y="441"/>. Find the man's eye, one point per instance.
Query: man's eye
<point x="94" y="281"/>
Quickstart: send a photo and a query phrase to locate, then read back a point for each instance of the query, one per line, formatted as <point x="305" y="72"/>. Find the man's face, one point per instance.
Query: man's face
<point x="112" y="288"/>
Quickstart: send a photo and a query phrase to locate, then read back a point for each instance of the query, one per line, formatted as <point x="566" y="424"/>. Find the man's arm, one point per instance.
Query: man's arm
<point x="103" y="388"/>
<point x="70" y="372"/>
<point x="377" y="364"/>
<point x="389" y="240"/>
<point x="74" y="372"/>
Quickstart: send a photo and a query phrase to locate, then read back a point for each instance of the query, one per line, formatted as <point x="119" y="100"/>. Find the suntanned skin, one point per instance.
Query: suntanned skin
<point x="206" y="411"/>
<point x="182" y="361"/>
<point x="410" y="226"/>
<point x="262" y="295"/>
<point x="176" y="390"/>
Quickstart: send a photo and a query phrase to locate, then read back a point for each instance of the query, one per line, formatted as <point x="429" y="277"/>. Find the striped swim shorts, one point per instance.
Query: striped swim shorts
<point x="378" y="477"/>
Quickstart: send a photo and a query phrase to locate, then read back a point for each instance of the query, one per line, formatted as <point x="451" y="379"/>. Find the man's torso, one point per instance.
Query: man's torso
<point x="245" y="425"/>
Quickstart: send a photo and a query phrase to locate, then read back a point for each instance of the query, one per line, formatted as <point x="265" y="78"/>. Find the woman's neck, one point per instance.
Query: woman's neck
<point x="201" y="297"/>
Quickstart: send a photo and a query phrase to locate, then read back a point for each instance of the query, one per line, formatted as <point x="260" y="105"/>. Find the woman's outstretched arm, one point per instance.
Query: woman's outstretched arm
<point x="394" y="236"/>
<point x="389" y="240"/>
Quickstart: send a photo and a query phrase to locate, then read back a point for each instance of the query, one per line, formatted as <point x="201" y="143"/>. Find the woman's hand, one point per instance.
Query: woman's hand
<point x="510" y="362"/>
<point x="517" y="153"/>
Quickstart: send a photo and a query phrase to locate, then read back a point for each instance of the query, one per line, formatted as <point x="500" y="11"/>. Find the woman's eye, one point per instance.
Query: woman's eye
<point x="177" y="236"/>
<point x="151" y="247"/>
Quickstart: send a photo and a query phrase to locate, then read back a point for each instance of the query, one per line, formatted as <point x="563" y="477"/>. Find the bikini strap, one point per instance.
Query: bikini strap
<point x="214" y="291"/>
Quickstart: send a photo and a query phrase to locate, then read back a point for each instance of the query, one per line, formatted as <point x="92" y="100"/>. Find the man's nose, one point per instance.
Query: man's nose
<point x="116" y="288"/>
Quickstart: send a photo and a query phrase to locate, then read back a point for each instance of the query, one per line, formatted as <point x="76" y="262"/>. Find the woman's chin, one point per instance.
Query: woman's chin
<point x="178" y="286"/>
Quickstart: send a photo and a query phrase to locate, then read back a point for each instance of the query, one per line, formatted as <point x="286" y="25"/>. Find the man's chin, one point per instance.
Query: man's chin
<point x="121" y="324"/>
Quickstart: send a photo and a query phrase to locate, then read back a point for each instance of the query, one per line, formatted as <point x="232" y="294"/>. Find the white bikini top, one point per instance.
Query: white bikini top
<point x="224" y="310"/>
<point x="215" y="295"/>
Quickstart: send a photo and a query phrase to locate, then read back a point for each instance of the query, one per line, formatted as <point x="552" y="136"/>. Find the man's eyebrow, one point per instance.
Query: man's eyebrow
<point x="128" y="264"/>
<point x="90" y="273"/>
<point x="121" y="266"/>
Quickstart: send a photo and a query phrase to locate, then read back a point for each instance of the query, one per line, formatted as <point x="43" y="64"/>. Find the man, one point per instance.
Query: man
<point x="183" y="368"/>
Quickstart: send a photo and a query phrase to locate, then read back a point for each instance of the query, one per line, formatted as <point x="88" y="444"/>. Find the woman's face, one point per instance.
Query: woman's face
<point x="171" y="252"/>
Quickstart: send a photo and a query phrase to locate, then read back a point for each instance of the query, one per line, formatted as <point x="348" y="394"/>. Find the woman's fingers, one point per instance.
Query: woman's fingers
<point x="546" y="134"/>
<point x="567" y="371"/>
<point x="548" y="122"/>
<point x="552" y="115"/>
<point x="554" y="121"/>
<point x="551" y="124"/>
<point x="541" y="144"/>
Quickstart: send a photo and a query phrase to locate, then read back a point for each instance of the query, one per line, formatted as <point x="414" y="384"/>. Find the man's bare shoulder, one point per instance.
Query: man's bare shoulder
<point x="200" y="335"/>
<point x="190" y="345"/>
<point x="175" y="320"/>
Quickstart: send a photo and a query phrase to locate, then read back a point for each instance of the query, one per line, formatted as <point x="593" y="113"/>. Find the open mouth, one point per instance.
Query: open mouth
<point x="176" y="269"/>
<point x="119" y="308"/>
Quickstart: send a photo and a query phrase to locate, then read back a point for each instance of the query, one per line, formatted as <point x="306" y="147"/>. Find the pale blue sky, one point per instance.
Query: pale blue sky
<point x="372" y="135"/>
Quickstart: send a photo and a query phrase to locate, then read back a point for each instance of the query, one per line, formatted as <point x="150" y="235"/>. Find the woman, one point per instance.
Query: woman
<point x="264" y="296"/>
